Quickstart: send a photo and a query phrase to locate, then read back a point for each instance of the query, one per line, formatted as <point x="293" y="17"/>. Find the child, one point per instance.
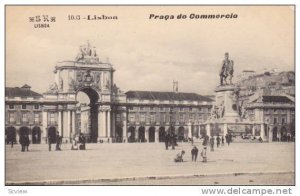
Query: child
<point x="203" y="154"/>
<point x="179" y="156"/>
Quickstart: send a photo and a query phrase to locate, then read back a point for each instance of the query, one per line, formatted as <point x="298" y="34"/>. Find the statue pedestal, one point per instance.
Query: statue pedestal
<point x="225" y="98"/>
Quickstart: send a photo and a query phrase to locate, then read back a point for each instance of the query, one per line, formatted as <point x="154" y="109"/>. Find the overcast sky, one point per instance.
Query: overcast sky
<point x="149" y="54"/>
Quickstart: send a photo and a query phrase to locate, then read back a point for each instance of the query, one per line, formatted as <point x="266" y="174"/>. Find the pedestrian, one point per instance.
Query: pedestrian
<point x="27" y="142"/>
<point x="222" y="140"/>
<point x="172" y="138"/>
<point x="194" y="152"/>
<point x="167" y="138"/>
<point x="204" y="154"/>
<point x="218" y="141"/>
<point x="179" y="156"/>
<point x="212" y="143"/>
<point x="22" y="142"/>
<point x="227" y="139"/>
<point x="82" y="142"/>
<point x="50" y="140"/>
<point x="57" y="141"/>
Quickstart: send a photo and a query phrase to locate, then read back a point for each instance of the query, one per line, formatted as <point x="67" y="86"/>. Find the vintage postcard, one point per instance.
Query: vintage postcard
<point x="150" y="95"/>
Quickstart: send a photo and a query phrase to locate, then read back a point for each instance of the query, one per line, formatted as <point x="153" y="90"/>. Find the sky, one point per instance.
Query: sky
<point x="148" y="54"/>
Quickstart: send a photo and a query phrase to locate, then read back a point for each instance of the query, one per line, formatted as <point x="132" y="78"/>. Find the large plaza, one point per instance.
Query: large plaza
<point x="137" y="163"/>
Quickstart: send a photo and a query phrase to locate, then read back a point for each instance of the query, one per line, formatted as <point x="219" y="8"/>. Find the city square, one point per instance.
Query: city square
<point x="137" y="163"/>
<point x="101" y="106"/>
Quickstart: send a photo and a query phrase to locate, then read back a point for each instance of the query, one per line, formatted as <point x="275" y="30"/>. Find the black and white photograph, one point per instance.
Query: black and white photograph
<point x="151" y="95"/>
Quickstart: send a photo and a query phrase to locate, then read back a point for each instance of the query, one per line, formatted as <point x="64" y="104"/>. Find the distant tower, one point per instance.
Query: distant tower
<point x="175" y="86"/>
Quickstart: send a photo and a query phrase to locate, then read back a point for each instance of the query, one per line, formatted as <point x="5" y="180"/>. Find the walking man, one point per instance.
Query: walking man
<point x="218" y="141"/>
<point x="212" y="143"/>
<point x="167" y="138"/>
<point x="194" y="152"/>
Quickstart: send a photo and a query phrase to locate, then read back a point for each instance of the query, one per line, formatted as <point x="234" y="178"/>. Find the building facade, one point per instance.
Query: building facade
<point x="137" y="116"/>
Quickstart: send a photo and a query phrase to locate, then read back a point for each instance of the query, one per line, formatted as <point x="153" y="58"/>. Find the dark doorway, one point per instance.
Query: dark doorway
<point x="161" y="136"/>
<point x="180" y="134"/>
<point x="283" y="134"/>
<point x="119" y="135"/>
<point x="141" y="137"/>
<point x="152" y="134"/>
<point x="202" y="131"/>
<point x="36" y="135"/>
<point x="131" y="134"/>
<point x="52" y="134"/>
<point x="10" y="135"/>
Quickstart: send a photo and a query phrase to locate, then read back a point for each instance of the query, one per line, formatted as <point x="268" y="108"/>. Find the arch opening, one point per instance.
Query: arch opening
<point x="87" y="102"/>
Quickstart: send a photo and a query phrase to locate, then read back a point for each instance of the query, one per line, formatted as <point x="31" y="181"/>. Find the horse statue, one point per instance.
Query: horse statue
<point x="226" y="71"/>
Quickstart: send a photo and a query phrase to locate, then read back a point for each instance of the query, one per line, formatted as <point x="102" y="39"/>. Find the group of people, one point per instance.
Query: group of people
<point x="57" y="139"/>
<point x="78" y="143"/>
<point x="194" y="152"/>
<point x="170" y="140"/>
<point x="206" y="141"/>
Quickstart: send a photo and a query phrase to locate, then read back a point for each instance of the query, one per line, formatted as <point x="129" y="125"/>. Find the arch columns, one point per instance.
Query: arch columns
<point x="104" y="123"/>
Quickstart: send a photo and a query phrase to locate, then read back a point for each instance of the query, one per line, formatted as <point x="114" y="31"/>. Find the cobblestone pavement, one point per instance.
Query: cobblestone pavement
<point x="110" y="161"/>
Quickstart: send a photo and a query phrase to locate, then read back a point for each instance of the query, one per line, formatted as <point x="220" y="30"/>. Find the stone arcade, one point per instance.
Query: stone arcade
<point x="140" y="116"/>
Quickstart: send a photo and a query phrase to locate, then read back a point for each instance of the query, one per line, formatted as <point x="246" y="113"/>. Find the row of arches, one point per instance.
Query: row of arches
<point x="35" y="134"/>
<point x="139" y="134"/>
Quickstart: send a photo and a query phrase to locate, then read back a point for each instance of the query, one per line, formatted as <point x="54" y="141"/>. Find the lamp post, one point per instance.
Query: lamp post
<point x="172" y="134"/>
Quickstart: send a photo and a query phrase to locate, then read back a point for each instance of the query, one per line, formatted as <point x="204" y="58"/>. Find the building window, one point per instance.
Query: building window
<point x="23" y="106"/>
<point x="118" y="117"/>
<point x="11" y="117"/>
<point x="131" y="117"/>
<point x="283" y="121"/>
<point x="275" y="120"/>
<point x="181" y="109"/>
<point x="52" y="119"/>
<point x="36" y="118"/>
<point x="11" y="106"/>
<point x="36" y="107"/>
<point x="181" y="118"/>
<point x="142" y="118"/>
<point x="162" y="109"/>
<point x="142" y="108"/>
<point x="162" y="117"/>
<point x="152" y="118"/>
<point x="24" y="118"/>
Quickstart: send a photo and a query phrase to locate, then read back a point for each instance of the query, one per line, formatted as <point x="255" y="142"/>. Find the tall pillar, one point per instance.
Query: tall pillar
<point x="137" y="134"/>
<point x="189" y="130"/>
<point x="253" y="130"/>
<point x="44" y="127"/>
<point x="225" y="129"/>
<point x="156" y="134"/>
<point x="208" y="130"/>
<point x="59" y="122"/>
<point x="108" y="125"/>
<point x="262" y="131"/>
<point x="113" y="124"/>
<point x="100" y="123"/>
<point x="103" y="124"/>
<point x="147" y="133"/>
<point x="125" y="138"/>
<point x="73" y="131"/>
<point x="67" y="133"/>
<point x="270" y="131"/>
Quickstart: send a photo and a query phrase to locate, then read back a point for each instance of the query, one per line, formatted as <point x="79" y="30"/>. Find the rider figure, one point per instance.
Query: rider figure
<point x="227" y="70"/>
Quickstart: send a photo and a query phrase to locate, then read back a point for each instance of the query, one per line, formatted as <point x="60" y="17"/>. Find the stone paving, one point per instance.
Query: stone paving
<point x="112" y="161"/>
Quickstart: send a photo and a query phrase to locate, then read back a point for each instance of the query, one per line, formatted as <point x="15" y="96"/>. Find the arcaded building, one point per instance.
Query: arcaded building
<point x="134" y="116"/>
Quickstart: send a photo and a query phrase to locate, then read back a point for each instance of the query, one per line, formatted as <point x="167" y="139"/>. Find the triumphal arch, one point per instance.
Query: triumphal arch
<point x="87" y="74"/>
